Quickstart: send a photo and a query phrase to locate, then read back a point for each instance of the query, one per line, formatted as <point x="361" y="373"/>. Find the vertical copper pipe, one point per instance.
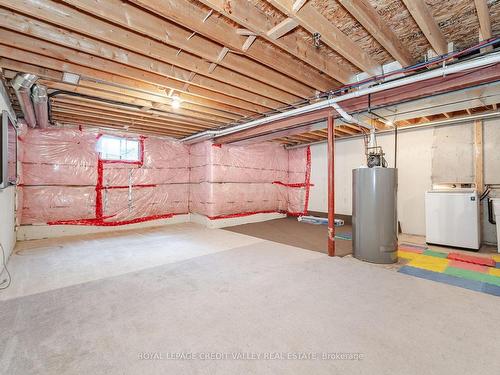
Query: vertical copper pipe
<point x="331" y="187"/>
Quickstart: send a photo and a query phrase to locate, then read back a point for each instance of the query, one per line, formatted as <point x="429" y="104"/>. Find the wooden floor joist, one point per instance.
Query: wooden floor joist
<point x="225" y="62"/>
<point x="188" y="14"/>
<point x="47" y="67"/>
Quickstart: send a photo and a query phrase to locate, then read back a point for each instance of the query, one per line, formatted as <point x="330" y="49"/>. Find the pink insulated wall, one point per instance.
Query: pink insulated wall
<point x="65" y="181"/>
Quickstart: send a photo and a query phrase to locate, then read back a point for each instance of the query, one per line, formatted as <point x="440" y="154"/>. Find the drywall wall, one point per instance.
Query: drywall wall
<point x="423" y="155"/>
<point x="491" y="144"/>
<point x="414" y="164"/>
<point x="7" y="199"/>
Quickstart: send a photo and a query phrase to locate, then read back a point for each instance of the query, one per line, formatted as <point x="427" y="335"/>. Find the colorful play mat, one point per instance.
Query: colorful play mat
<point x="481" y="274"/>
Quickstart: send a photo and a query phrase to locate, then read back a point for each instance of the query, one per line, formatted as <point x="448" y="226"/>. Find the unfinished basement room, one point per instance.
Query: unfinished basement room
<point x="249" y="187"/>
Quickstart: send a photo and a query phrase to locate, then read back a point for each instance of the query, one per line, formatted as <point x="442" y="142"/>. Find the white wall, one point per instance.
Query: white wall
<point x="7" y="201"/>
<point x="414" y="168"/>
<point x="444" y="154"/>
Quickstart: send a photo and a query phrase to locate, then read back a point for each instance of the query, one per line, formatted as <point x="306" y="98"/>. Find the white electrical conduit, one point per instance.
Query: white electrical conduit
<point x="451" y="69"/>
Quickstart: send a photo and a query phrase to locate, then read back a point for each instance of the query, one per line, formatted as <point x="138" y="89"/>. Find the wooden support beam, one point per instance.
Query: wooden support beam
<point x="483" y="14"/>
<point x="417" y="90"/>
<point x="297" y="5"/>
<point x="478" y="155"/>
<point x="249" y="16"/>
<point x="368" y="17"/>
<point x="282" y="28"/>
<point x="298" y="123"/>
<point x="248" y="43"/>
<point x="245" y="32"/>
<point x="314" y="22"/>
<point x="423" y="17"/>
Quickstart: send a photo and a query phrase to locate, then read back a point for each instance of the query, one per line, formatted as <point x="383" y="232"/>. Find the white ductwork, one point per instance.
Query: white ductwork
<point x="22" y="86"/>
<point x="489" y="59"/>
<point x="348" y="118"/>
<point x="40" y="105"/>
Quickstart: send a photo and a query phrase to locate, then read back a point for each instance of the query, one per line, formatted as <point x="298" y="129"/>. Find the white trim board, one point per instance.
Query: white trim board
<point x="37" y="232"/>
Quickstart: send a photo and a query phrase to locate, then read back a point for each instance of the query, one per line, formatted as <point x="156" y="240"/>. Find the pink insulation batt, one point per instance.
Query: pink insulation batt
<point x="228" y="180"/>
<point x="63" y="180"/>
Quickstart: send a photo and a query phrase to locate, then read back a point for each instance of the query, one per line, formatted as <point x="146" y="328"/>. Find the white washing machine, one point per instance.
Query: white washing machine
<point x="452" y="218"/>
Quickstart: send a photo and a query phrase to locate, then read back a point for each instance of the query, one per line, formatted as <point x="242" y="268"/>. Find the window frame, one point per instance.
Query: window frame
<point x="107" y="159"/>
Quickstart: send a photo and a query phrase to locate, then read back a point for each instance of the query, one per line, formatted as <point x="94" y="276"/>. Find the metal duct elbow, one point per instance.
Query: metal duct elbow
<point x="22" y="85"/>
<point x="40" y="104"/>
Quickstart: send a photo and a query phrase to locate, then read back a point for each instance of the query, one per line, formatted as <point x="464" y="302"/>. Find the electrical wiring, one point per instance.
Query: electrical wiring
<point x="373" y="79"/>
<point x="9" y="278"/>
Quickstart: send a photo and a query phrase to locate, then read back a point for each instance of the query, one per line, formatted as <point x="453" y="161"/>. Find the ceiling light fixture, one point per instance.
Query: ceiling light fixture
<point x="71" y="78"/>
<point x="176" y="102"/>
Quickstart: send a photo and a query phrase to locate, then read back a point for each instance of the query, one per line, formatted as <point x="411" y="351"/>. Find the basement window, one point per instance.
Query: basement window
<point x="119" y="148"/>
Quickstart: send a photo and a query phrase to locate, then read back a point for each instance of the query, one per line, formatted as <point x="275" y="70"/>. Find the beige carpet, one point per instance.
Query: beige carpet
<point x="290" y="231"/>
<point x="282" y="309"/>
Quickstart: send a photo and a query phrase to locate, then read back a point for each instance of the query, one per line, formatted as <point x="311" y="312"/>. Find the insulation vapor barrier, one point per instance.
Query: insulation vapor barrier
<point x="64" y="179"/>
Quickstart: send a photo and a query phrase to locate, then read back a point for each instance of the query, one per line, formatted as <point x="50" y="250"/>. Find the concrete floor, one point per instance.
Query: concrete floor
<point x="126" y="303"/>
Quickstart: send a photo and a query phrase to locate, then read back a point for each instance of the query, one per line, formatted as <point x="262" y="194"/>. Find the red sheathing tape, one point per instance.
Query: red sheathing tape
<point x="98" y="189"/>
<point x="308" y="178"/>
<point x="102" y="223"/>
<point x="129" y="186"/>
<point x="296" y="185"/>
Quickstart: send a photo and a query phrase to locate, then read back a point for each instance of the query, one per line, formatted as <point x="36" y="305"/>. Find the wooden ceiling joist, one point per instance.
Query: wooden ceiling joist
<point x="368" y="17"/>
<point x="483" y="15"/>
<point x="59" y="111"/>
<point x="163" y="31"/>
<point x="50" y="50"/>
<point x="134" y="101"/>
<point x="188" y="14"/>
<point x="63" y="120"/>
<point x="233" y="61"/>
<point x="224" y="82"/>
<point x="247" y="15"/>
<point x="105" y="113"/>
<point x="131" y="111"/>
<point x="158" y="102"/>
<point x="314" y="22"/>
<point x="96" y="119"/>
<point x="41" y="65"/>
<point x="282" y="28"/>
<point x="426" y="22"/>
